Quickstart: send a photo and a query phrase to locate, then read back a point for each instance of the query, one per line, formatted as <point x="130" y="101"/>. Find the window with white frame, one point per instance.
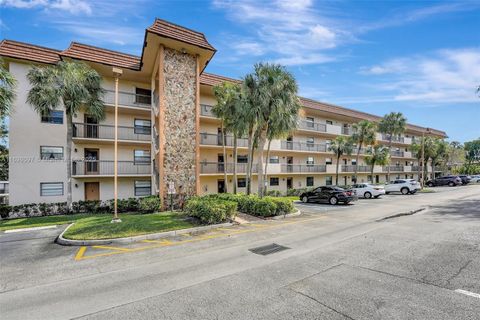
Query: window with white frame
<point x="241" y="183"/>
<point x="242" y="158"/>
<point x="310" y="122"/>
<point x="143" y="188"/>
<point x="51" y="153"/>
<point x="142" y="126"/>
<point x="51" y="189"/>
<point x="274" y="159"/>
<point x="310" y="142"/>
<point x="310" y="182"/>
<point x="274" y="181"/>
<point x="141" y="157"/>
<point x="328" y="180"/>
<point x="310" y="161"/>
<point x="53" y="116"/>
<point x="328" y="161"/>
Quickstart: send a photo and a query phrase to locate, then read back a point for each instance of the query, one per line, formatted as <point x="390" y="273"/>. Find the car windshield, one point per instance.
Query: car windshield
<point x="338" y="189"/>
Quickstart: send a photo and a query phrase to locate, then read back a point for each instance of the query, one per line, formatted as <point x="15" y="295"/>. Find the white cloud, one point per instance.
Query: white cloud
<point x="71" y="6"/>
<point x="446" y="76"/>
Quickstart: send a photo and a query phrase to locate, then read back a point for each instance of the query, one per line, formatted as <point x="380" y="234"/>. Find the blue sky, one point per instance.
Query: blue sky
<point x="420" y="58"/>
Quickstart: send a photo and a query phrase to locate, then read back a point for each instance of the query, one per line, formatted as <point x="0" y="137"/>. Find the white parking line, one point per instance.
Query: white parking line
<point x="30" y="229"/>
<point x="468" y="293"/>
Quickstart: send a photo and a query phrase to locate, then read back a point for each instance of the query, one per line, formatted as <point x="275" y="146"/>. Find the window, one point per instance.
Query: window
<point x="51" y="153"/>
<point x="328" y="161"/>
<point x="328" y="180"/>
<point x="143" y="96"/>
<point x="242" y="183"/>
<point x="51" y="189"/>
<point x="310" y="122"/>
<point x="310" y="142"/>
<point x="329" y="122"/>
<point x="310" y="161"/>
<point x="54" y="116"/>
<point x="310" y="182"/>
<point x="141" y="157"/>
<point x="354" y="162"/>
<point x="142" y="126"/>
<point x="242" y="158"/>
<point x="274" y="181"/>
<point x="274" y="159"/>
<point x="143" y="188"/>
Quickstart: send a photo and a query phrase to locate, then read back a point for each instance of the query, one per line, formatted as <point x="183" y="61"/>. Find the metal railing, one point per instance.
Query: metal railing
<point x="106" y="167"/>
<point x="128" y="99"/>
<point x="103" y="131"/>
<point x="397" y="153"/>
<point x="309" y="125"/>
<point x="399" y="168"/>
<point x="347" y="130"/>
<point x="303" y="168"/>
<point x="303" y="146"/>
<point x="220" y="167"/>
<point x="386" y="137"/>
<point x="206" y="110"/>
<point x="351" y="168"/>
<point x="212" y="139"/>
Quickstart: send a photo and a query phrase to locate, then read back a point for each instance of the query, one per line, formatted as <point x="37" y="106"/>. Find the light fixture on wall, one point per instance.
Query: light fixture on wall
<point x="75" y="149"/>
<point x="205" y="188"/>
<point x="76" y="185"/>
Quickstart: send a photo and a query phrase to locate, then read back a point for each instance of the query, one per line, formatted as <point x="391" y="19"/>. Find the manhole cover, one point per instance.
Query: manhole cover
<point x="268" y="249"/>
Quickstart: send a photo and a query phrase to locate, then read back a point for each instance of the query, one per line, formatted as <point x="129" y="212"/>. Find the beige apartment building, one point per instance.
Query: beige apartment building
<point x="167" y="135"/>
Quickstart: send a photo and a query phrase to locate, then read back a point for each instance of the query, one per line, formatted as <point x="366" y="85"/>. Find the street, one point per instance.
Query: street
<point x="342" y="262"/>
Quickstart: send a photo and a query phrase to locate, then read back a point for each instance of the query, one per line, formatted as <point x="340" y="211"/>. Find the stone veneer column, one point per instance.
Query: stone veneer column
<point x="178" y="122"/>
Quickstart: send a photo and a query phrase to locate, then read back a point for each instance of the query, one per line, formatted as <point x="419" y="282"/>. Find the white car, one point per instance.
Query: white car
<point x="475" y="178"/>
<point x="367" y="191"/>
<point x="405" y="186"/>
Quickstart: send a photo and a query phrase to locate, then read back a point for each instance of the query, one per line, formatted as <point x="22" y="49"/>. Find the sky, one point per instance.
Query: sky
<point x="421" y="58"/>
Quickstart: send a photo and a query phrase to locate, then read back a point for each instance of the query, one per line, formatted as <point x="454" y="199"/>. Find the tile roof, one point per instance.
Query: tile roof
<point x="94" y="54"/>
<point x="170" y="30"/>
<point x="21" y="50"/>
<point x="210" y="79"/>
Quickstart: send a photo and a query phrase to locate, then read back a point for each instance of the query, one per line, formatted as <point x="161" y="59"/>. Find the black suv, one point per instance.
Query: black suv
<point x="329" y="194"/>
<point x="465" y="179"/>
<point x="445" y="181"/>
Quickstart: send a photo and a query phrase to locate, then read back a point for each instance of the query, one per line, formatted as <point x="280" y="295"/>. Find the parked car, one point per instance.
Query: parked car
<point x="475" y="178"/>
<point x="329" y="194"/>
<point x="405" y="186"/>
<point x="465" y="179"/>
<point x="445" y="181"/>
<point x="367" y="191"/>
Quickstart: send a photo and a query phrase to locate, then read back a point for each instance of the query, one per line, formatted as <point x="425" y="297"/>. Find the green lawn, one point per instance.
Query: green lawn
<point x="38" y="221"/>
<point x="100" y="226"/>
<point x="291" y="198"/>
<point x="426" y="190"/>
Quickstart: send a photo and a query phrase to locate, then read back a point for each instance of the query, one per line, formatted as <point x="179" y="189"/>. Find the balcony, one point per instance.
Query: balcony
<point x="386" y="137"/>
<point x="220" y="167"/>
<point x="351" y="168"/>
<point x="128" y="99"/>
<point x="397" y="153"/>
<point x="303" y="146"/>
<point x="107" y="132"/>
<point x="394" y="168"/>
<point x="310" y="125"/>
<point x="206" y="110"/>
<point x="106" y="168"/>
<point x="211" y="139"/>
<point x="347" y="131"/>
<point x="302" y="168"/>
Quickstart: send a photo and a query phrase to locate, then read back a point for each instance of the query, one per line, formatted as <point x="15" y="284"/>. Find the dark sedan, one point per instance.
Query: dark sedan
<point x="329" y="194"/>
<point x="465" y="179"/>
<point x="445" y="181"/>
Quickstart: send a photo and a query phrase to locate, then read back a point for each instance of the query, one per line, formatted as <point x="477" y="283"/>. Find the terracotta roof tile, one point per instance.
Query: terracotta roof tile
<point x="21" y="50"/>
<point x="170" y="30"/>
<point x="210" y="79"/>
<point x="100" y="55"/>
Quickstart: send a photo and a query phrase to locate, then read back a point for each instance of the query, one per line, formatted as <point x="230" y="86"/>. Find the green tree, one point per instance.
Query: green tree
<point x="377" y="155"/>
<point x="271" y="91"/>
<point x="7" y="90"/>
<point x="340" y="146"/>
<point x="364" y="133"/>
<point x="68" y="85"/>
<point x="439" y="151"/>
<point x="472" y="154"/>
<point x="392" y="125"/>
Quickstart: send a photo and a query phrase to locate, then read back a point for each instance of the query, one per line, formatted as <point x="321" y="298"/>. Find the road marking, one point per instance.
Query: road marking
<point x="30" y="229"/>
<point x="468" y="293"/>
<point x="158" y="244"/>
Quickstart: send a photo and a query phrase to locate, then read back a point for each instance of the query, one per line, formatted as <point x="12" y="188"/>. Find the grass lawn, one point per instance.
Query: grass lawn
<point x="426" y="190"/>
<point x="100" y="226"/>
<point x="39" y="221"/>
<point x="291" y="198"/>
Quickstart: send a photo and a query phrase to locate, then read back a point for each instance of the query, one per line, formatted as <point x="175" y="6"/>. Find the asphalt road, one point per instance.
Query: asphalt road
<point x="342" y="262"/>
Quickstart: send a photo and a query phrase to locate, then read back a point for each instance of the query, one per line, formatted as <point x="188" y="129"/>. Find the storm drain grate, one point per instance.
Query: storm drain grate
<point x="268" y="249"/>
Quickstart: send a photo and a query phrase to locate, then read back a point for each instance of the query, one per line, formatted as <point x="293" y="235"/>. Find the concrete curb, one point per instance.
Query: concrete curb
<point x="30" y="229"/>
<point x="401" y="214"/>
<point x="152" y="236"/>
<point x="293" y="214"/>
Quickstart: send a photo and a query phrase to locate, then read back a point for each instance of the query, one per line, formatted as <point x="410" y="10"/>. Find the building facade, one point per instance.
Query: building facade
<point x="168" y="137"/>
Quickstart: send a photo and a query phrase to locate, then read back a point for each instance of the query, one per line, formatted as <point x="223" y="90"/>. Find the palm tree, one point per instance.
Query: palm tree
<point x="416" y="149"/>
<point x="340" y="146"/>
<point x="271" y="91"/>
<point x="7" y="90"/>
<point x="429" y="152"/>
<point x="364" y="133"/>
<point x="439" y="151"/>
<point x="377" y="155"/>
<point x="392" y="124"/>
<point x="71" y="85"/>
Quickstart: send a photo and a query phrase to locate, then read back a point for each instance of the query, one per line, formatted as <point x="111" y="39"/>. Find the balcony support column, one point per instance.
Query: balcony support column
<point x="117" y="73"/>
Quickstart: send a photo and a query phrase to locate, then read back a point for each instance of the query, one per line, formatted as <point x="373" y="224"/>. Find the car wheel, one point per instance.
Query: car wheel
<point x="429" y="184"/>
<point x="304" y="199"/>
<point x="387" y="192"/>
<point x="333" y="200"/>
<point x="367" y="195"/>
<point x="404" y="190"/>
<point x="451" y="184"/>
<point x="413" y="191"/>
<point x="376" y="197"/>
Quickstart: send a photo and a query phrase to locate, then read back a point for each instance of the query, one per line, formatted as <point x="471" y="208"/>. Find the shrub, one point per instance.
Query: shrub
<point x="5" y="211"/>
<point x="150" y="204"/>
<point x="284" y="206"/>
<point x="246" y="203"/>
<point x="264" y="207"/>
<point x="274" y="193"/>
<point x="209" y="210"/>
<point x="297" y="192"/>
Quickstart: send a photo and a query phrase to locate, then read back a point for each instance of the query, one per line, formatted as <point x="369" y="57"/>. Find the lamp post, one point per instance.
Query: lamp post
<point x="117" y="73"/>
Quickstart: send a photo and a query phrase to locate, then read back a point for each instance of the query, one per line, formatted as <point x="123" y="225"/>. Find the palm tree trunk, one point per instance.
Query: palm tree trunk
<point x="266" y="164"/>
<point x="356" y="162"/>
<point x="371" y="172"/>
<point x="224" y="140"/>
<point x="68" y="149"/>
<point x="261" y="144"/>
<point x="249" y="159"/>
<point x="336" y="176"/>
<point x="235" y="180"/>
<point x="389" y="151"/>
<point x="419" y="171"/>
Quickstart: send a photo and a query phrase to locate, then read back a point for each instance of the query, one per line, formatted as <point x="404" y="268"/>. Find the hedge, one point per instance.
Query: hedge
<point x="209" y="210"/>
<point x="141" y="205"/>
